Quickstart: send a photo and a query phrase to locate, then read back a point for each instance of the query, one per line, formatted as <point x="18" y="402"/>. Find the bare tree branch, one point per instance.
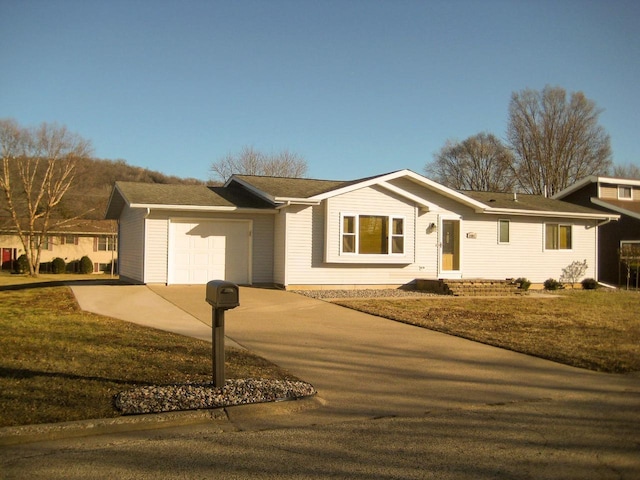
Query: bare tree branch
<point x="556" y="142"/>
<point x="480" y="163"/>
<point x="253" y="162"/>
<point x="38" y="168"/>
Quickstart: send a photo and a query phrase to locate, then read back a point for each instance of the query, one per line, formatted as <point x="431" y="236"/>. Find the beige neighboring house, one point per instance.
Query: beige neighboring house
<point x="96" y="239"/>
<point x="388" y="230"/>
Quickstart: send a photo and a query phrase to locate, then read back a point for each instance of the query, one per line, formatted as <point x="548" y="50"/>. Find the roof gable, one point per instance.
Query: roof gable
<point x="597" y="179"/>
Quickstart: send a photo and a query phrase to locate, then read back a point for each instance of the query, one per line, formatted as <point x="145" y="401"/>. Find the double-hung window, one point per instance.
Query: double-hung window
<point x="557" y="237"/>
<point x="372" y="234"/>
<point x="106" y="243"/>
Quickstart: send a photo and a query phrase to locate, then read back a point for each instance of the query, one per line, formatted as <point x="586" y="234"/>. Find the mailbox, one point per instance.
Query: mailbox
<point x="222" y="294"/>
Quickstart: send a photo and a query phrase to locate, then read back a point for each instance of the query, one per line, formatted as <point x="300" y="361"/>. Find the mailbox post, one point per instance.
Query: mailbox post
<point x="221" y="296"/>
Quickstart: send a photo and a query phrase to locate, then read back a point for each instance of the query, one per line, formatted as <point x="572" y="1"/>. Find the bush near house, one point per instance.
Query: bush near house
<point x="589" y="284"/>
<point x="552" y="284"/>
<point x="86" y="265"/>
<point x="58" y="265"/>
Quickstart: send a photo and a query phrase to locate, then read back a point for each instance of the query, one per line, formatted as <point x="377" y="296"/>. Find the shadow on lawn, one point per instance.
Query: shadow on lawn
<point x="62" y="283"/>
<point x="24" y="373"/>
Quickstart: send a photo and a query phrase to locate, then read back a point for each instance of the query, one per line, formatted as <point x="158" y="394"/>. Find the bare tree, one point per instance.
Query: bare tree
<point x="253" y="162"/>
<point x="481" y="163"/>
<point x="555" y="141"/>
<point x="38" y="168"/>
<point x="627" y="171"/>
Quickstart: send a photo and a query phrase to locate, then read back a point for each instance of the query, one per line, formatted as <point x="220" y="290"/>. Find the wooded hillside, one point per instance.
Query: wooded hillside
<point x="94" y="182"/>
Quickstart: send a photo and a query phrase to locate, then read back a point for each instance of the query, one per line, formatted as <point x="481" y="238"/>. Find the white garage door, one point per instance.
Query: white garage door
<point x="210" y="250"/>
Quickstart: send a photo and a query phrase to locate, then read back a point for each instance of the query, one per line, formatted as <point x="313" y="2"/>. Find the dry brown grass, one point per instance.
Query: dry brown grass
<point x="597" y="330"/>
<point x="60" y="364"/>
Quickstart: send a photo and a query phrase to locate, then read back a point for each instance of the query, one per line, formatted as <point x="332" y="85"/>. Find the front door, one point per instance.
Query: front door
<point x="450" y="245"/>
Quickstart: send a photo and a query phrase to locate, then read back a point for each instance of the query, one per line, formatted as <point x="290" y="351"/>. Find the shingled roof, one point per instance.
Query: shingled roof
<point x="167" y="195"/>
<point x="527" y="203"/>
<point x="280" y="187"/>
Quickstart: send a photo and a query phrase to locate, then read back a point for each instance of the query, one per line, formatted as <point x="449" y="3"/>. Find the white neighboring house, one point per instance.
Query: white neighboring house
<point x="386" y="230"/>
<point x="96" y="239"/>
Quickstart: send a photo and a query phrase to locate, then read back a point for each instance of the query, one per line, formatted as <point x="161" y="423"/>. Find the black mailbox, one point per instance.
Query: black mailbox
<point x="222" y="294"/>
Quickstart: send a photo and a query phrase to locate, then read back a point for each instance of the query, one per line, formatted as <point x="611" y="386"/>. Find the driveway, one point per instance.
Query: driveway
<point x="394" y="401"/>
<point x="367" y="366"/>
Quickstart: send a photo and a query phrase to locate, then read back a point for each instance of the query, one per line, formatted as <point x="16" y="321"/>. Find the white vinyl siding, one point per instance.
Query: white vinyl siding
<point x="131" y="242"/>
<point x="280" y="248"/>
<point x="156" y="241"/>
<point x="525" y="255"/>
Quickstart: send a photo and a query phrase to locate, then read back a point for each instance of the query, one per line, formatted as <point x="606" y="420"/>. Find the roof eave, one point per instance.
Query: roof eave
<point x="201" y="208"/>
<point x="622" y="211"/>
<point x="544" y="213"/>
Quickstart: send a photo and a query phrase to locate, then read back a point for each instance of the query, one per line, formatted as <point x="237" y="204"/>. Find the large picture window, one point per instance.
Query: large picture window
<point x="372" y="234"/>
<point x="557" y="237"/>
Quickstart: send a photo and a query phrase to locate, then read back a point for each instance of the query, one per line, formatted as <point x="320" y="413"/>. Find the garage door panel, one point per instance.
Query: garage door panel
<point x="208" y="250"/>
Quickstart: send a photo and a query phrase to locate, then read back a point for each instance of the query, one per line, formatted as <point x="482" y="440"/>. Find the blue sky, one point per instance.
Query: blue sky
<point x="356" y="87"/>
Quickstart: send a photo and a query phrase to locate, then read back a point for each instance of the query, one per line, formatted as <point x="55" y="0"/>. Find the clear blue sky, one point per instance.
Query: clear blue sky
<point x="356" y="87"/>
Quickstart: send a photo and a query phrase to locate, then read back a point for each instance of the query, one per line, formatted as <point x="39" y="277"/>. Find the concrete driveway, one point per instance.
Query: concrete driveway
<point x="394" y="401"/>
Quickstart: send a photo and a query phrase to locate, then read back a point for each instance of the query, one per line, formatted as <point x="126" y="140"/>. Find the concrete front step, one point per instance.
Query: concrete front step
<point x="469" y="287"/>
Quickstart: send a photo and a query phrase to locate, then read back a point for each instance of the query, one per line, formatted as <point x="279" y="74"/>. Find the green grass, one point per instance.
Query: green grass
<point x="59" y="363"/>
<point x="597" y="330"/>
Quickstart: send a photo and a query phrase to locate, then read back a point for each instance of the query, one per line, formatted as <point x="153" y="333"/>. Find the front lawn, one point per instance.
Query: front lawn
<point x="597" y="330"/>
<point x="59" y="363"/>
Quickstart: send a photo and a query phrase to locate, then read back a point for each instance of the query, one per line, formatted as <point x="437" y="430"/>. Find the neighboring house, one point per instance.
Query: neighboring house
<point x="386" y="230"/>
<point x="610" y="195"/>
<point x="96" y="239"/>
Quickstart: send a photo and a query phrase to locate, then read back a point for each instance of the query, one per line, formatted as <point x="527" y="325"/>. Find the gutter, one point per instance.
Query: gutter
<point x="541" y="213"/>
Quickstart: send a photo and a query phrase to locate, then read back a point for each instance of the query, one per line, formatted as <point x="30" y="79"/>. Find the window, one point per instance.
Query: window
<point x="372" y="234"/>
<point x="625" y="193"/>
<point x="557" y="237"/>
<point x="46" y="243"/>
<point x="106" y="244"/>
<point x="69" y="240"/>
<point x="503" y="231"/>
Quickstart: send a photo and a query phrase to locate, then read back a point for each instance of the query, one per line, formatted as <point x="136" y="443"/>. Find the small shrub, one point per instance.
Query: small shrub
<point x="523" y="283"/>
<point x="552" y="284"/>
<point x="571" y="273"/>
<point x="58" y="265"/>
<point x="589" y="284"/>
<point x="86" y="265"/>
<point x="22" y="264"/>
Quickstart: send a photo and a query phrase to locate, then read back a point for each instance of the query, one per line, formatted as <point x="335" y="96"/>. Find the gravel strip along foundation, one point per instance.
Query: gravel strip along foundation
<point x="362" y="293"/>
<point x="196" y="396"/>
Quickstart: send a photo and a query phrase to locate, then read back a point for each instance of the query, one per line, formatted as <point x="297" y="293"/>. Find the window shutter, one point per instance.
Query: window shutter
<point x="95" y="244"/>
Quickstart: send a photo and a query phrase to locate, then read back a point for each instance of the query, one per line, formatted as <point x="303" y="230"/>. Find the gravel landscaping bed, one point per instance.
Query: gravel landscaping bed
<point x="195" y="396"/>
<point x="362" y="293"/>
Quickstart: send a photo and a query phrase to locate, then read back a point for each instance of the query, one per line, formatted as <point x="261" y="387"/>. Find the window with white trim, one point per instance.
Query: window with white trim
<point x="372" y="235"/>
<point x="557" y="236"/>
<point x="503" y="231"/>
<point x="625" y="192"/>
<point x="106" y="244"/>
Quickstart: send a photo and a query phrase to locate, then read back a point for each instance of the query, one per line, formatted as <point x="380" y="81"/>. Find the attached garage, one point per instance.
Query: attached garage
<point x="205" y="250"/>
